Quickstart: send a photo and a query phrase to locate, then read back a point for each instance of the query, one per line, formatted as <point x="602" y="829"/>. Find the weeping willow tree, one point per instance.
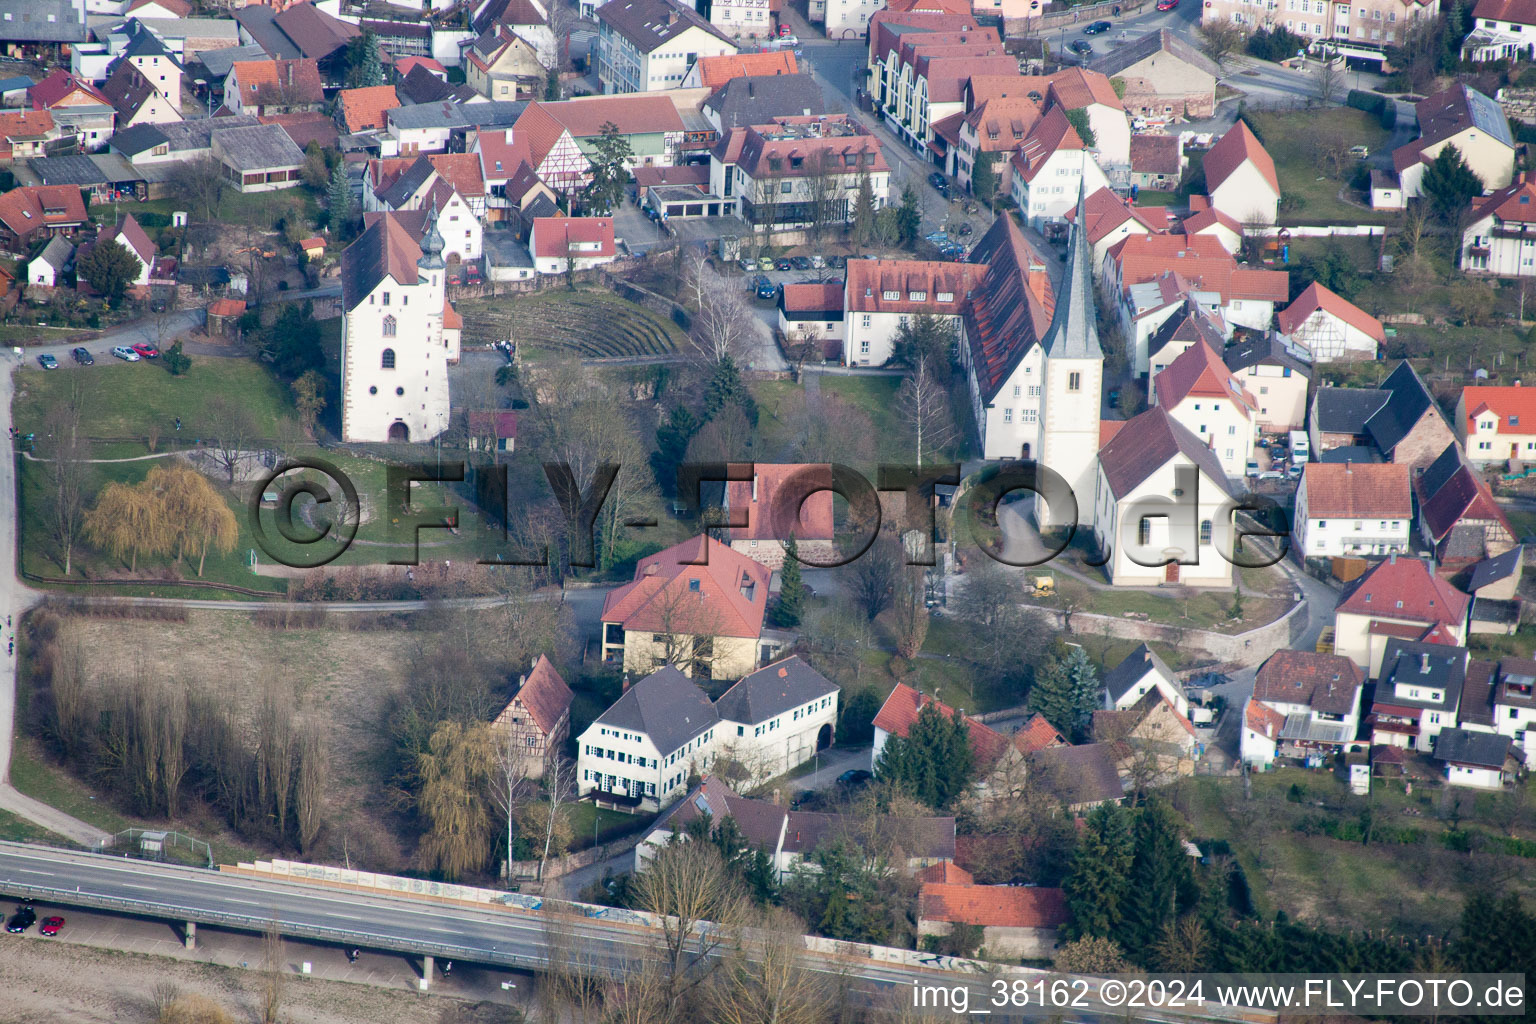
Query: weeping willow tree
<point x="456" y="774"/>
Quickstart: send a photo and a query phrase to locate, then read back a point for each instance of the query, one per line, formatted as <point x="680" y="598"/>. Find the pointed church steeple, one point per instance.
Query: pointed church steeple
<point x="1074" y="331"/>
<point x="432" y="245"/>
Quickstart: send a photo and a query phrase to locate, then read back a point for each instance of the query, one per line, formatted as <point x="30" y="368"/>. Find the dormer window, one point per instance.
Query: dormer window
<point x="917" y="296"/>
<point x="946" y="296"/>
<point x="890" y="296"/>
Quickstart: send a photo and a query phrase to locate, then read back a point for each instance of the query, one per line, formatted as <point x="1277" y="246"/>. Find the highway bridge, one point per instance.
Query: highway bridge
<point x="515" y="937"/>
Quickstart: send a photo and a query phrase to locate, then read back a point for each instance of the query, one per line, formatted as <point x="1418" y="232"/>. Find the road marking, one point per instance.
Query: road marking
<point x="130" y="885"/>
<point x="349" y="917"/>
<point x="445" y="931"/>
<point x="33" y="871"/>
<point x="249" y="903"/>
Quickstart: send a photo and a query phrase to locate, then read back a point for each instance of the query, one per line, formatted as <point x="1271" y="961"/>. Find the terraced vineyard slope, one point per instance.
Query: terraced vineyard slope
<point x="594" y="325"/>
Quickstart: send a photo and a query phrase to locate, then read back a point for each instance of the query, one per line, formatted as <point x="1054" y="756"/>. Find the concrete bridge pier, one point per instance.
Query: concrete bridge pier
<point x="190" y="941"/>
<point x="426" y="973"/>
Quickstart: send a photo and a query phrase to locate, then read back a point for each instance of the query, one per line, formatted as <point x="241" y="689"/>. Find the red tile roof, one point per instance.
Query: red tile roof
<point x="1514" y="406"/>
<point x="461" y="170"/>
<point x="1010" y="308"/>
<point x="1104" y="212"/>
<point x="1231" y="151"/>
<point x="61" y="85"/>
<point x="993" y="906"/>
<point x="20" y="125"/>
<point x="812" y="520"/>
<point x="362" y="109"/>
<point x="1345" y="490"/>
<point x="1208" y="218"/>
<point x="716" y="71"/>
<point x="634" y="114"/>
<point x="1108" y="429"/>
<point x="305" y="127"/>
<point x="1001" y="123"/>
<point x="545" y="695"/>
<point x="535" y="133"/>
<point x="946" y="872"/>
<point x="1200" y="259"/>
<point x="778" y="150"/>
<point x="553" y="236"/>
<point x="1520" y="12"/>
<point x="1324" y="682"/>
<point x="1263" y="719"/>
<point x="901" y="709"/>
<point x="1051" y="134"/>
<point x="278" y="81"/>
<point x="1316" y="297"/>
<point x="129" y="233"/>
<point x="1037" y="734"/>
<point x="1075" y="88"/>
<point x="814" y="298"/>
<point x="870" y="280"/>
<point x="1405" y="588"/>
<point x="1156" y="154"/>
<point x="226" y="307"/>
<point x="1198" y="372"/>
<point x="405" y="65"/>
<point x="664" y="587"/>
<point x="1515" y="203"/>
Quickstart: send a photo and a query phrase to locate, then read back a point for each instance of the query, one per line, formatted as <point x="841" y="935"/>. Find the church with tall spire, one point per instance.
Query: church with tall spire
<point x="1033" y="362"/>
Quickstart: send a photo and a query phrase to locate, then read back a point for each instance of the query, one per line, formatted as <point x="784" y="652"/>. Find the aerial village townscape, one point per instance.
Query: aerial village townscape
<point x="793" y="511"/>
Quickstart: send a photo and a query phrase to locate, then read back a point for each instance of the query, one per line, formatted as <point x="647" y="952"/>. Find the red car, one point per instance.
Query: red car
<point x="783" y="30"/>
<point x="1167" y="5"/>
<point x="51" y="925"/>
<point x="146" y="350"/>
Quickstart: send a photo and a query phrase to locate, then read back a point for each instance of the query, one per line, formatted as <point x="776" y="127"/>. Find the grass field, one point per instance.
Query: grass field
<point x="1408" y="889"/>
<point x="19" y="830"/>
<point x="782" y="411"/>
<point x="1293" y="139"/>
<point x="592" y="324"/>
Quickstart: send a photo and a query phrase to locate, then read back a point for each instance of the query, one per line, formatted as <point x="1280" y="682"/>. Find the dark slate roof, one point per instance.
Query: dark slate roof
<point x="1146" y="443"/>
<point x="1122" y="57"/>
<point x="1494" y="569"/>
<point x="1482" y="749"/>
<point x="493" y="113"/>
<point x="260" y="23"/>
<point x="758" y="99"/>
<point x="1407" y="400"/>
<point x="1137" y="664"/>
<point x="141" y="138"/>
<point x="258" y="147"/>
<point x="1356" y="453"/>
<point x="218" y="62"/>
<point x="666" y="706"/>
<point x="443" y="114"/>
<point x="1193" y="325"/>
<point x="1268" y="349"/>
<point x="316" y="33"/>
<point x="1074" y="331"/>
<point x="1488" y="609"/>
<point x="422" y="86"/>
<point x="26" y="21"/>
<point x="196" y="133"/>
<point x="651" y="24"/>
<point x="84" y="169"/>
<point x="144" y="43"/>
<point x="1439" y="473"/>
<point x="773" y="690"/>
<point x="1346" y="410"/>
<point x="407" y="183"/>
<point x="1477" y="695"/>
<point x="1435" y="666"/>
<point x="1083" y="774"/>
<point x="15" y="83"/>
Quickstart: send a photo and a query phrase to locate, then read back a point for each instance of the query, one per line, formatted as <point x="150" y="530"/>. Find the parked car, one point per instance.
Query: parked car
<point x="1114" y="398"/>
<point x="21" y="920"/>
<point x="1253" y="468"/>
<point x="47" y="362"/>
<point x="837" y="261"/>
<point x="800" y="262"/>
<point x="747" y="265"/>
<point x="83" y="357"/>
<point x="1167" y="5"/>
<point x="51" y="925"/>
<point x="782" y="263"/>
<point x="964" y="229"/>
<point x="937" y="181"/>
<point x="146" y="350"/>
<point x="1271" y="474"/>
<point x="765" y="263"/>
<point x="1081" y="47"/>
<point x="1097" y="27"/>
<point x="818" y="261"/>
<point x="854" y="777"/>
<point x="783" y="31"/>
<point x="765" y="288"/>
<point x="125" y="353"/>
<point x="785" y="39"/>
<point x="472" y="273"/>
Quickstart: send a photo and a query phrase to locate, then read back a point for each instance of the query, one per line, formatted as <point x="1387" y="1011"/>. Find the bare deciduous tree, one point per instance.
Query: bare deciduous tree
<point x="202" y="180"/>
<point x="766" y="978"/>
<point x="724" y="326"/>
<point x="511" y="783"/>
<point x="1221" y="38"/>
<point x="1329" y="79"/>
<point x="309" y="784"/>
<point x="272" y="972"/>
<point x="924" y="404"/>
<point x="911" y="610"/>
<point x="68" y="471"/>
<point x="231" y="432"/>
<point x="275" y="748"/>
<point x="685" y="884"/>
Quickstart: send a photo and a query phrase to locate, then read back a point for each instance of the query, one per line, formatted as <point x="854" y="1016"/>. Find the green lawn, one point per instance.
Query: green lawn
<point x="781" y="412"/>
<point x="19" y="830"/>
<point x="260" y="210"/>
<point x="608" y="823"/>
<point x="1293" y="140"/>
<point x="127" y="400"/>
<point x="1152" y="197"/>
<point x="1198" y="610"/>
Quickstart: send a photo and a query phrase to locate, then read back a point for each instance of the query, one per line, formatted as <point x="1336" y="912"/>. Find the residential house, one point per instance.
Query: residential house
<point x="158" y="65"/>
<point x="1500" y="237"/>
<point x="1476" y="760"/>
<point x="1200" y="392"/>
<point x="650" y="124"/>
<point x="31" y="213"/>
<point x="1157" y="162"/>
<point x="500" y="63"/>
<point x="1110" y="219"/>
<point x="259" y="159"/>
<point x="788" y="838"/>
<point x="813" y="313"/>
<point x="1207" y="220"/>
<point x="1153" y="276"/>
<point x="1304" y="704"/>
<point x="273" y="87"/>
<point x="1276" y="378"/>
<point x="439" y="206"/>
<point x="174" y="141"/>
<point x="404" y="183"/>
<point x="1091" y="91"/>
<point x="77" y="107"/>
<point x="919" y="78"/>
<point x="1240" y="177"/>
<point x="421" y="85"/>
<point x="1017" y="922"/>
<point x="40" y="27"/>
<point x="798" y="172"/>
<point x="989" y="133"/>
<point x="529" y="19"/>
<point x="1501" y="30"/>
<point x="1080" y="777"/>
<point x="774" y="720"/>
<point x="1165" y="78"/>
<point x="1190" y="326"/>
<point x="187" y="38"/>
<point x="47" y="268"/>
<point x="1153" y="743"/>
<point x="759" y="99"/>
<point x="1514" y="702"/>
<point x="1339" y="416"/>
<point x="882" y="294"/>
<point x="300" y="30"/>
<point x="715" y="73"/>
<point x="1409" y="427"/>
<point x="1147" y="536"/>
<point x="1386" y="191"/>
<point x="562" y="244"/>
<point x="1459" y="116"/>
<point x="1003" y="762"/>
<point x="1050" y="168"/>
<point x="1418" y="693"/>
<point x="135" y="100"/>
<point x="647" y="45"/>
<point x="1497" y="423"/>
<point x="1399" y="599"/>
<point x="851" y="19"/>
<point x="1362" y="33"/>
<point x="492" y="430"/>
<point x="777" y="501"/>
<point x="510" y="168"/>
<point x="131" y="236"/>
<point x="1457" y="514"/>
<point x="363" y="110"/>
<point x="1498" y="577"/>
<point x="1330" y="327"/>
<point x="1349" y="509"/>
<point x="25" y="134"/>
<point x="706" y="618"/>
<point x="421" y="128"/>
<point x="639" y="753"/>
<point x="537" y="719"/>
<point x="1137" y="674"/>
<point x="386" y="339"/>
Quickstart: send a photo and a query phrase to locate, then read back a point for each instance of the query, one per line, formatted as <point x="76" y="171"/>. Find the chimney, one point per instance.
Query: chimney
<point x="777" y="795"/>
<point x="533" y="663"/>
<point x="754" y="487"/>
<point x="626" y="683"/>
<point x="1423" y="663"/>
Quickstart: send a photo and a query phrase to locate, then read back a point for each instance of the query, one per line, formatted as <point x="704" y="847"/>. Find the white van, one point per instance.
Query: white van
<point x="1301" y="448"/>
